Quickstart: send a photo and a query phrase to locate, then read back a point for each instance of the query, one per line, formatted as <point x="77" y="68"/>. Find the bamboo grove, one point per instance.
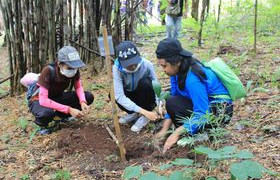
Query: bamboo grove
<point x="36" y="29"/>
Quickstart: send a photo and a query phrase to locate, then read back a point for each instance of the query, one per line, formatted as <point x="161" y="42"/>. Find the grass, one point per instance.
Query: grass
<point x="61" y="175"/>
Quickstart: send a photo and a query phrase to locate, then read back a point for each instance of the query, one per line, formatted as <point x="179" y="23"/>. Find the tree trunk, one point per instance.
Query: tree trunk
<point x="19" y="52"/>
<point x="8" y="36"/>
<point x="219" y="10"/>
<point x="81" y="29"/>
<point x="195" y="6"/>
<point x="255" y="26"/>
<point x="50" y="5"/>
<point x="186" y="9"/>
<point x="70" y="19"/>
<point x="65" y="40"/>
<point x="202" y="18"/>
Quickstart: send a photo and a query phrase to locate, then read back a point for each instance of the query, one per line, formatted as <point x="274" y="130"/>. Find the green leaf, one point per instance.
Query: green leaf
<point x="132" y="172"/>
<point x="246" y="169"/>
<point x="186" y="141"/>
<point x="260" y="89"/>
<point x="244" y="154"/>
<point x="153" y="176"/>
<point x="224" y="153"/>
<point x="165" y="166"/>
<point x="156" y="87"/>
<point x="179" y="175"/>
<point x="203" y="150"/>
<point x="182" y="162"/>
<point x="227" y="150"/>
<point x="211" y="178"/>
<point x="272" y="173"/>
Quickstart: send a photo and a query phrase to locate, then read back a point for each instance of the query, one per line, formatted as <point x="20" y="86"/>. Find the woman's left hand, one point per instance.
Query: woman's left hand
<point x="85" y="108"/>
<point x="172" y="139"/>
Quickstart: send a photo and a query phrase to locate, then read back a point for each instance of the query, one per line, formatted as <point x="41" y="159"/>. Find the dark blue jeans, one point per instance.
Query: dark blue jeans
<point x="44" y="115"/>
<point x="179" y="106"/>
<point x="143" y="96"/>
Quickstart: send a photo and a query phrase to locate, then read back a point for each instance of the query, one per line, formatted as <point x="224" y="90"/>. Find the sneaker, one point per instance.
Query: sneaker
<point x="139" y="124"/>
<point x="68" y="119"/>
<point x="128" y="118"/>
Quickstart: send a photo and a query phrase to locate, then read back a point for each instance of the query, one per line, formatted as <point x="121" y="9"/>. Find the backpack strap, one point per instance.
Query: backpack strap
<point x="71" y="85"/>
<point x="51" y="67"/>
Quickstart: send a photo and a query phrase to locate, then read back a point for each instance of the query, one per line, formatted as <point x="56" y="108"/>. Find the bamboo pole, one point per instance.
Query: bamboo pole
<point x="74" y="19"/>
<point x="81" y="29"/>
<point x="219" y="10"/>
<point x="19" y="53"/>
<point x="7" y="32"/>
<point x="45" y="37"/>
<point x="255" y="26"/>
<point x="51" y="29"/>
<point x="112" y="94"/>
<point x="70" y="19"/>
<point x="64" y="23"/>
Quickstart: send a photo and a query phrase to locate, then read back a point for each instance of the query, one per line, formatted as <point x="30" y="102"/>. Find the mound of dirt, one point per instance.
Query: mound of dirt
<point x="91" y="138"/>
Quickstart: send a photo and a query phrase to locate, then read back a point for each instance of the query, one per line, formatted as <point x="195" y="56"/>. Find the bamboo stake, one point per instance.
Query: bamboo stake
<point x="112" y="94"/>
<point x="112" y="134"/>
<point x="5" y="79"/>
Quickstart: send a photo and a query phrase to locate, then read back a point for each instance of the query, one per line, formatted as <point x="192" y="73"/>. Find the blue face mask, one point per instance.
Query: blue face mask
<point x="68" y="72"/>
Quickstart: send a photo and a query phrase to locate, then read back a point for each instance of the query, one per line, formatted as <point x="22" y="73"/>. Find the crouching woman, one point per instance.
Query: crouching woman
<point x="196" y="92"/>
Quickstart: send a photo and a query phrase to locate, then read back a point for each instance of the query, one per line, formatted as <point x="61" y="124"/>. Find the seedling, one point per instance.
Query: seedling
<point x="161" y="96"/>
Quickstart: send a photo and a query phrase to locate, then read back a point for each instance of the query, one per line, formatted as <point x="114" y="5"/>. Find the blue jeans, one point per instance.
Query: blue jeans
<point x="173" y="26"/>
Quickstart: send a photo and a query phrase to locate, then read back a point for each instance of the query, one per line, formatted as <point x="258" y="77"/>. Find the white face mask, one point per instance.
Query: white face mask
<point x="133" y="71"/>
<point x="68" y="72"/>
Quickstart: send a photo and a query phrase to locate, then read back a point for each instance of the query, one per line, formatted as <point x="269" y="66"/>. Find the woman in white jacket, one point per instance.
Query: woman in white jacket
<point x="133" y="76"/>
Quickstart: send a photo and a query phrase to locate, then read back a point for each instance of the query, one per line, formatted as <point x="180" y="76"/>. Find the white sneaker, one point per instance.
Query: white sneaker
<point x="128" y="118"/>
<point x="139" y="124"/>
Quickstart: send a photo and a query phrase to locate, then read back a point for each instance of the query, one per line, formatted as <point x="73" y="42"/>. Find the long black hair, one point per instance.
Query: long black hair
<point x="186" y="64"/>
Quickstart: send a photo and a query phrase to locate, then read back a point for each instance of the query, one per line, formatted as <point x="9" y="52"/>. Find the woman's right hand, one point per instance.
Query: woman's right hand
<point x="76" y="113"/>
<point x="153" y="116"/>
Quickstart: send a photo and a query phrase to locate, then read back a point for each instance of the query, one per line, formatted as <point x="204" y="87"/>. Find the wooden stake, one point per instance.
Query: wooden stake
<point x="112" y="94"/>
<point x="112" y="134"/>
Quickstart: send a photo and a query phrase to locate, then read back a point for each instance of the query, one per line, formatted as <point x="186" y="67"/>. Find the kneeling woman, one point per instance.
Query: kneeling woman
<point x="133" y="76"/>
<point x="53" y="81"/>
<point x="195" y="91"/>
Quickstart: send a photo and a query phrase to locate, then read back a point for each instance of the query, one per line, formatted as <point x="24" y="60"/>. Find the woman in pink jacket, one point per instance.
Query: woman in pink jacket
<point x="52" y="100"/>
